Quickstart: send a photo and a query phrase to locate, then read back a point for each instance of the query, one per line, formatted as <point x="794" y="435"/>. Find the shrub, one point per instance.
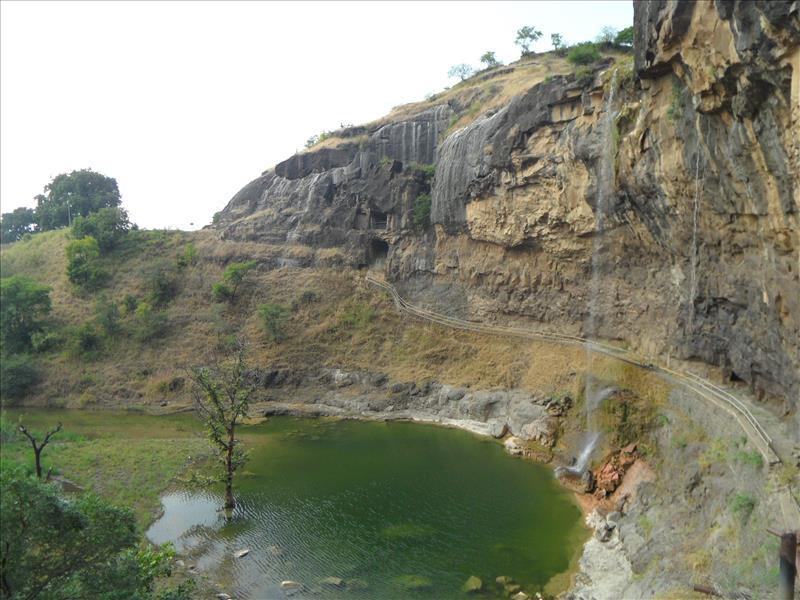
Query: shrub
<point x="107" y="314"/>
<point x="46" y="341"/>
<point x="625" y="37"/>
<point x="161" y="282"/>
<point x="82" y="263"/>
<point x="273" y="318"/>
<point x="129" y="304"/>
<point x="150" y="324"/>
<point x="422" y="210"/>
<point x="750" y="458"/>
<point x="108" y="226"/>
<point x="24" y="304"/>
<point x="186" y="258"/>
<point x="427" y="171"/>
<point x="583" y="54"/>
<point x="18" y="374"/>
<point x="84" y="341"/>
<point x="583" y="75"/>
<point x="743" y="504"/>
<point x="221" y="292"/>
<point x="232" y="279"/>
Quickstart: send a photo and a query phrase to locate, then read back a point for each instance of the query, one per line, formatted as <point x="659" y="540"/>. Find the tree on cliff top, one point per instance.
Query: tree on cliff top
<point x="17" y="223"/>
<point x="462" y="71"/>
<point x="489" y="59"/>
<point x="75" y="194"/>
<point x="525" y="37"/>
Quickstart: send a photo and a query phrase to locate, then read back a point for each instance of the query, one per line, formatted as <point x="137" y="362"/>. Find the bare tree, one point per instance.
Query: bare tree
<point x="38" y="447"/>
<point x="222" y="394"/>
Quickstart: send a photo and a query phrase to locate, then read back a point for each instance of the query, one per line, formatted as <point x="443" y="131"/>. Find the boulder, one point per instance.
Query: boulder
<point x="290" y="585"/>
<point x="473" y="585"/>
<point x="503" y="580"/>
<point x="513" y="446"/>
<point x="242" y="553"/>
<point x="332" y="581"/>
<point x="520" y="596"/>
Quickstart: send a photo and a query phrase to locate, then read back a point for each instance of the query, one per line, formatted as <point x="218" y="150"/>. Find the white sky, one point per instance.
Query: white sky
<point x="184" y="103"/>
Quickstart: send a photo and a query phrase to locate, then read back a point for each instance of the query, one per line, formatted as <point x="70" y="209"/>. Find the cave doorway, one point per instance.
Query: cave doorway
<point x="378" y="251"/>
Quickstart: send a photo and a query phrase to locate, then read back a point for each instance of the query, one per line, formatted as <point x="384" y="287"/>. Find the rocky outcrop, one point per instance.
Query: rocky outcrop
<point x="496" y="413"/>
<point x="655" y="201"/>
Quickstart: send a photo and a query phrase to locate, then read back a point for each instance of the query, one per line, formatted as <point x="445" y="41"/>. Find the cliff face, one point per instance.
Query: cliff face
<point x="655" y="201"/>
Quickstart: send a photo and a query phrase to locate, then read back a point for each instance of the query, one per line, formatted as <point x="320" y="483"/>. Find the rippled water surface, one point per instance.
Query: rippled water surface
<point x="395" y="510"/>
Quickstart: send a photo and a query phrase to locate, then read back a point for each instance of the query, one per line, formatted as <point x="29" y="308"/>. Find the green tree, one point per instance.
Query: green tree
<point x="150" y="324"/>
<point x="84" y="341"/>
<point x="63" y="549"/>
<point x="525" y="37"/>
<point x="489" y="59"/>
<point x="625" y="37"/>
<point x="83" y="263"/>
<point x="78" y="193"/>
<point x="422" y="210"/>
<point x="108" y="226"/>
<point x="607" y="35"/>
<point x="107" y="315"/>
<point x="232" y="278"/>
<point x="558" y="42"/>
<point x="222" y="394"/>
<point x="24" y="304"/>
<point x="186" y="258"/>
<point x="161" y="282"/>
<point x="18" y="374"/>
<point x="273" y="318"/>
<point x="583" y="54"/>
<point x="462" y="71"/>
<point x="17" y="223"/>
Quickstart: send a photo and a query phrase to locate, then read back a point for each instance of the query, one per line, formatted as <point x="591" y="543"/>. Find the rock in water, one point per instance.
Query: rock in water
<point x="332" y="581"/>
<point x="520" y="596"/>
<point x="473" y="584"/>
<point x="503" y="580"/>
<point x="242" y="553"/>
<point x="290" y="585"/>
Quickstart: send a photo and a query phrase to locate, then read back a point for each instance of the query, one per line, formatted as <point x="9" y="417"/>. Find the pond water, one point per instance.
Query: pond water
<point x="395" y="510"/>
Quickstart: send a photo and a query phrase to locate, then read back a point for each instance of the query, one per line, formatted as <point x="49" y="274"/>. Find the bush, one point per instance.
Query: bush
<point x="427" y="171"/>
<point x="273" y="318"/>
<point x="625" y="37"/>
<point x="24" y="304"/>
<point x="82" y="264"/>
<point x="221" y="292"/>
<point x="743" y="504"/>
<point x="108" y="226"/>
<point x="583" y="54"/>
<point x="84" y="341"/>
<point x="186" y="258"/>
<point x="129" y="304"/>
<point x="422" y="210"/>
<point x="161" y="282"/>
<point x="232" y="279"/>
<point x="46" y="341"/>
<point x="107" y="314"/>
<point x="18" y="374"/>
<point x="149" y="323"/>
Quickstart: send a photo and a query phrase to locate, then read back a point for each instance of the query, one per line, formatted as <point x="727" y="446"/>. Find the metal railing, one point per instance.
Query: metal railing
<point x="717" y="395"/>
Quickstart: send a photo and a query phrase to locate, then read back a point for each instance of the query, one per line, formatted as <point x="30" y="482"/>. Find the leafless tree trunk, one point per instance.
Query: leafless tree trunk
<point x="37" y="447"/>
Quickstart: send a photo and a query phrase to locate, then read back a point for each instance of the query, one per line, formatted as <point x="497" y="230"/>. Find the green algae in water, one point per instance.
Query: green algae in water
<point x="394" y="510"/>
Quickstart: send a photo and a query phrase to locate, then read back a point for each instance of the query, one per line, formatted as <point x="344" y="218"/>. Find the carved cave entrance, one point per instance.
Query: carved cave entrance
<point x="378" y="251"/>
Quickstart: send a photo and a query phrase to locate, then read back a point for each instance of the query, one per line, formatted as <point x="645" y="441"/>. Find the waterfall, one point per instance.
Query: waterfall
<point x="693" y="256"/>
<point x="605" y="187"/>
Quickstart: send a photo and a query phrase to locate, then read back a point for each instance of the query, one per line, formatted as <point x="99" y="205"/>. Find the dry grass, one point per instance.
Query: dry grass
<point x="479" y="94"/>
<point x="349" y="325"/>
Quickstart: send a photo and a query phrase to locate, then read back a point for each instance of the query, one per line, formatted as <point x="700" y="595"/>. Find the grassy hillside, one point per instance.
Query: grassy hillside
<point x="335" y="320"/>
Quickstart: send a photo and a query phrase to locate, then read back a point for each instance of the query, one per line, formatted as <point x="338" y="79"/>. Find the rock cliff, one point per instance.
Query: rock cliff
<point x="653" y="200"/>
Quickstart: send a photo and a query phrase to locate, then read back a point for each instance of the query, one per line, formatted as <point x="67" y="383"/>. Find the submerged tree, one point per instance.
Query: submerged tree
<point x="39" y="446"/>
<point x="222" y="394"/>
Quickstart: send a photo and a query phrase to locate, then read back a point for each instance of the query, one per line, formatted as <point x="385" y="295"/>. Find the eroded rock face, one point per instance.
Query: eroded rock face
<point x="698" y="254"/>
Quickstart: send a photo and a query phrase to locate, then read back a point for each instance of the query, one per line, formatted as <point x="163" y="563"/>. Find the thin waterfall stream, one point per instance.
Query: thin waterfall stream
<point x="593" y="393"/>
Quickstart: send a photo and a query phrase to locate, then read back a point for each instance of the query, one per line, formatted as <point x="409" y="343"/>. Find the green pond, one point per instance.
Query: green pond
<point x="395" y="510"/>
